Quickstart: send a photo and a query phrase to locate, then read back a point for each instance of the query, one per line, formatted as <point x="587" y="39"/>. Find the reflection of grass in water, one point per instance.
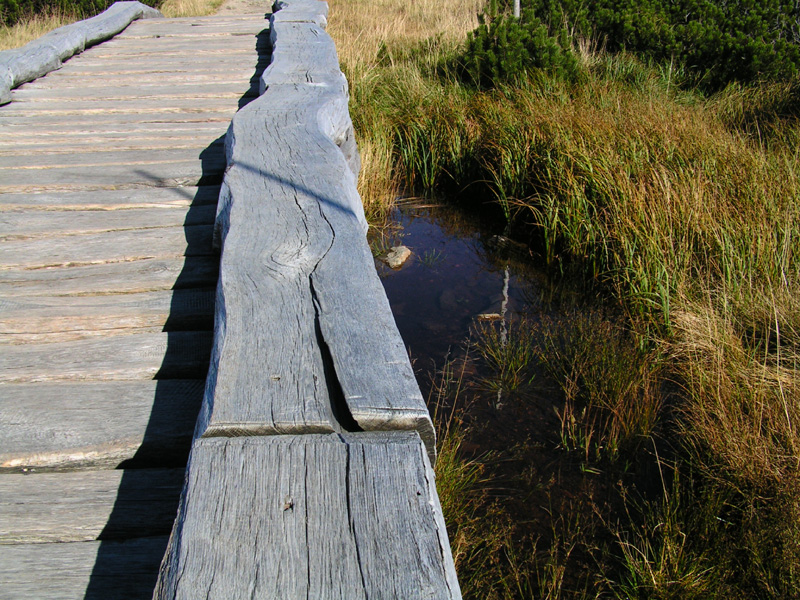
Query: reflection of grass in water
<point x="431" y="258"/>
<point x="508" y="352"/>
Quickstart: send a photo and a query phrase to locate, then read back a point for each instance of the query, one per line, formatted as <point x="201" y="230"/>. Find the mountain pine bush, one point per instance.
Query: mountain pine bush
<point x="715" y="41"/>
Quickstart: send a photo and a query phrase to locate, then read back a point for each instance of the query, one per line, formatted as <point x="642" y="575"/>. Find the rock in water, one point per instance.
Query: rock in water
<point x="397" y="256"/>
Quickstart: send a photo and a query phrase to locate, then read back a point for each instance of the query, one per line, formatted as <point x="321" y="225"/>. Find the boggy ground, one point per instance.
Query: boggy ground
<point x="671" y="468"/>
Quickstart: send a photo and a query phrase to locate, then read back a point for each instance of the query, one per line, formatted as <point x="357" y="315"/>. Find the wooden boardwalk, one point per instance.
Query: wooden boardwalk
<point x="109" y="176"/>
<point x="178" y="423"/>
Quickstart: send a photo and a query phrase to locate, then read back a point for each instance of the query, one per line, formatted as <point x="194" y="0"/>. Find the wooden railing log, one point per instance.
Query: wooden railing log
<point x="310" y="474"/>
<point x="46" y="53"/>
<point x="352" y="516"/>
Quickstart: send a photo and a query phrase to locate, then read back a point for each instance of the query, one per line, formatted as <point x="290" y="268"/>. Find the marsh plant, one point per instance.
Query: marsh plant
<point x="670" y="187"/>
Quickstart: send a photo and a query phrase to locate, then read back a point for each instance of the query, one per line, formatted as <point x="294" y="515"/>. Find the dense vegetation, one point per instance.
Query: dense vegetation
<point x="648" y="154"/>
<point x="710" y="42"/>
<point x="13" y="11"/>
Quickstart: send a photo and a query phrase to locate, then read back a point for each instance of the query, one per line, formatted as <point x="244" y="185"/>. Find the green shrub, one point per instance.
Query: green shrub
<point x="504" y="49"/>
<point x="717" y="41"/>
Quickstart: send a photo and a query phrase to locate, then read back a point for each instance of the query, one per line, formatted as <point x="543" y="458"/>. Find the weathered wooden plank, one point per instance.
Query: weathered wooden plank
<point x="343" y="516"/>
<point x="87" y="147"/>
<point x="20" y="225"/>
<point x="118" y="92"/>
<point x="65" y="82"/>
<point x="162" y="174"/>
<point x="88" y="505"/>
<point x="136" y="105"/>
<point x="91" y="425"/>
<point x="178" y="354"/>
<point x="110" y="570"/>
<point x="46" y="139"/>
<point x="113" y="121"/>
<point x="115" y="278"/>
<point x="111" y="246"/>
<point x="110" y="200"/>
<point x="42" y="319"/>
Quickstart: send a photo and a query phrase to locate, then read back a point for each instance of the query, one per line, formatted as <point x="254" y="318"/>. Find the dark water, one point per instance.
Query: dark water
<point x="456" y="276"/>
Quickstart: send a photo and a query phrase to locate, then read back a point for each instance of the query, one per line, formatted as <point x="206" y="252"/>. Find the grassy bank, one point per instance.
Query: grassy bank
<point x="676" y="435"/>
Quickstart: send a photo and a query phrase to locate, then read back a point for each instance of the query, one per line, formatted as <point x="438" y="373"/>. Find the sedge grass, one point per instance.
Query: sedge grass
<point x="684" y="211"/>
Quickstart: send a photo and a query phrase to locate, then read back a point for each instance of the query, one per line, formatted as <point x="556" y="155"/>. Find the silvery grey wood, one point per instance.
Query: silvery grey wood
<point x="178" y="354"/>
<point x="111" y="246"/>
<point x="112" y="278"/>
<point x="129" y="91"/>
<point x="267" y="371"/>
<point x="97" y="176"/>
<point x="287" y="278"/>
<point x="29" y="224"/>
<point x="67" y="134"/>
<point x="29" y="319"/>
<point x="109" y="200"/>
<point x="109" y="158"/>
<point x="67" y="571"/>
<point x="96" y="424"/>
<point x="305" y="11"/>
<point x="309" y="516"/>
<point x="137" y="106"/>
<point x="85" y="505"/>
<point x="46" y="54"/>
<point x="65" y="83"/>
<point x="113" y="121"/>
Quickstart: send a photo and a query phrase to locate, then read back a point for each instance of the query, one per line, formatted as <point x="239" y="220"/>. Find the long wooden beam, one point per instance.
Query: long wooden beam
<point x="310" y="474"/>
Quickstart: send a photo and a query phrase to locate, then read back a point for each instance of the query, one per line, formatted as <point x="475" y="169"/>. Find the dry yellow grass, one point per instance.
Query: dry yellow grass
<point x="190" y="8"/>
<point x="361" y="27"/>
<point x="27" y="31"/>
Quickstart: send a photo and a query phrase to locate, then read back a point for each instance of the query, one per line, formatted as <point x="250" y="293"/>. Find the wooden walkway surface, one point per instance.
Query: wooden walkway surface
<point x="109" y="176"/>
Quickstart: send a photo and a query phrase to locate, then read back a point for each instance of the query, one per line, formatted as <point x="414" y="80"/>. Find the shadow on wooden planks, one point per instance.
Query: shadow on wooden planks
<point x="129" y="569"/>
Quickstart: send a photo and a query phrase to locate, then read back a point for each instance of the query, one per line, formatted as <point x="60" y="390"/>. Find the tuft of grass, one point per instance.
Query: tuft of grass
<point x="189" y="8"/>
<point x="509" y="353"/>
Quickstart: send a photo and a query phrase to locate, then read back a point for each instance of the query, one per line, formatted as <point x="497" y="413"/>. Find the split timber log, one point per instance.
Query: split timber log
<point x="310" y="472"/>
<point x="46" y="53"/>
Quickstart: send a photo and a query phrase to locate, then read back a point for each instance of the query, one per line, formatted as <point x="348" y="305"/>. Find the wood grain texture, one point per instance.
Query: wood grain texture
<point x="99" y="200"/>
<point x="179" y="354"/>
<point x="96" y="424"/>
<point x="45" y="54"/>
<point x="106" y="247"/>
<point x="112" y="278"/>
<point x="109" y="570"/>
<point x="310" y="516"/>
<point x="29" y="319"/>
<point x="88" y="505"/>
<point x="29" y="224"/>
<point x="307" y="289"/>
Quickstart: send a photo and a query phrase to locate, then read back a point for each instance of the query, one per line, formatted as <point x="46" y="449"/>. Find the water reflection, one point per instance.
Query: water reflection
<point x="461" y="271"/>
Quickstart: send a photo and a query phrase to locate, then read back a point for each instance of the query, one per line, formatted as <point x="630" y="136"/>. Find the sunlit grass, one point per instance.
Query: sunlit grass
<point x="684" y="212"/>
<point x="30" y="29"/>
<point x="189" y="8"/>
